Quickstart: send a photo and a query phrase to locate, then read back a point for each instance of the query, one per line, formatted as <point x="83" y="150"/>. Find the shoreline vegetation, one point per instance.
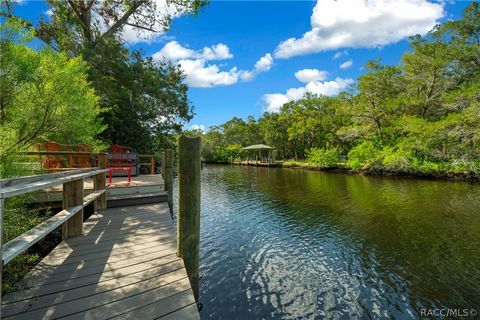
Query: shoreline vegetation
<point x="342" y="167"/>
<point x="419" y="118"/>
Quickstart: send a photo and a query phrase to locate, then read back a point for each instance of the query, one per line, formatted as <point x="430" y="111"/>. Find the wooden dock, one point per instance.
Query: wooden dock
<point x="122" y="265"/>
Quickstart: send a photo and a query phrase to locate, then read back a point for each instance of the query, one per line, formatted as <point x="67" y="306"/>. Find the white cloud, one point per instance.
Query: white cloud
<point x="361" y="24"/>
<point x="202" y="74"/>
<point x="309" y="75"/>
<point x="49" y="12"/>
<point x="347" y="64"/>
<point x="274" y="101"/>
<point x="199" y="74"/>
<point x="174" y="51"/>
<point x="264" y="64"/>
<point x="340" y="54"/>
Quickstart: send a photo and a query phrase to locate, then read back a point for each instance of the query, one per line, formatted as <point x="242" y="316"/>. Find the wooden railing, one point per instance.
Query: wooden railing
<point x="70" y="218"/>
<point x="151" y="161"/>
<point x="63" y="160"/>
<point x="71" y="159"/>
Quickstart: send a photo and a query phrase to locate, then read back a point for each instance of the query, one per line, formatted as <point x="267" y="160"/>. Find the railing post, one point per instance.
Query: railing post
<point x="152" y="164"/>
<point x="73" y="196"/>
<point x="188" y="228"/>
<point x="102" y="160"/>
<point x="99" y="183"/>
<point x="169" y="176"/>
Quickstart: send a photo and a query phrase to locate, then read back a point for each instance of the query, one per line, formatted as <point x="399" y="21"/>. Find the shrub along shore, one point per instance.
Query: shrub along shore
<point x="423" y="173"/>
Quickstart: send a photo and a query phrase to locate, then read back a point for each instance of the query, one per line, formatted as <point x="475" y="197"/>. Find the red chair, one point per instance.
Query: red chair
<point x="82" y="161"/>
<point x="118" y="162"/>
<point x="53" y="161"/>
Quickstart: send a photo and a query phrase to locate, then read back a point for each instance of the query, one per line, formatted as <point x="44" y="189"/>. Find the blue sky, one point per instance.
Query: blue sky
<point x="237" y="34"/>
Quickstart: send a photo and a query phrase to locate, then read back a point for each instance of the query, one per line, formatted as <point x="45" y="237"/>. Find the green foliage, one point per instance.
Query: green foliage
<point x="17" y="269"/>
<point x="396" y="160"/>
<point x="327" y="157"/>
<point x="144" y="101"/>
<point x="45" y="96"/>
<point x="227" y="154"/>
<point x="359" y="156"/>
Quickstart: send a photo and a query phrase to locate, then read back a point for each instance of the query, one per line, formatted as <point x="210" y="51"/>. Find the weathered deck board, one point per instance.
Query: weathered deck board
<point x="124" y="266"/>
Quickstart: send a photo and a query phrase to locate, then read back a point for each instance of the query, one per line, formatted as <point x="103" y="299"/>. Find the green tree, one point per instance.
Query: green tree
<point x="376" y="105"/>
<point x="44" y="96"/>
<point x="427" y="78"/>
<point x="142" y="100"/>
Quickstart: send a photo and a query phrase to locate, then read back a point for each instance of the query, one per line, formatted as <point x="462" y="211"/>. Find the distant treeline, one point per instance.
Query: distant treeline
<point x="420" y="116"/>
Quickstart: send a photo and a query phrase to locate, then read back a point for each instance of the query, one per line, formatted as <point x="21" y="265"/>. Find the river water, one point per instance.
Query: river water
<point x="295" y="244"/>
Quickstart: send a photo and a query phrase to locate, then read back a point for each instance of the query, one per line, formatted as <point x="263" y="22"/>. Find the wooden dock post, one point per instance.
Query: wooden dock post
<point x="73" y="196"/>
<point x="169" y="176"/>
<point x="99" y="183"/>
<point x="188" y="229"/>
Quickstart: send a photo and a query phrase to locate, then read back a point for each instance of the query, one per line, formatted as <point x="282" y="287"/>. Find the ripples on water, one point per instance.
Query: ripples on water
<point x="293" y="244"/>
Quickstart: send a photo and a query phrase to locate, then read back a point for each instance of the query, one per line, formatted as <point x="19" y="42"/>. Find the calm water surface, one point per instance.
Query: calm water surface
<point x="294" y="244"/>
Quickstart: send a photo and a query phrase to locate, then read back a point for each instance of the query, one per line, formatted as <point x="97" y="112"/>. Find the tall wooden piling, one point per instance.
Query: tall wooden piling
<point x="188" y="229"/>
<point x="169" y="176"/>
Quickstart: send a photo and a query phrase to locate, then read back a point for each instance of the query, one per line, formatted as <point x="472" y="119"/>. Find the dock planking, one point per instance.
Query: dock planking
<point x="123" y="266"/>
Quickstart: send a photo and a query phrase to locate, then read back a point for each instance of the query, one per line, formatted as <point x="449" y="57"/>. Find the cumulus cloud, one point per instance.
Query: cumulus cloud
<point x="347" y="64"/>
<point x="361" y="24"/>
<point x="274" y="101"/>
<point x="264" y="64"/>
<point x="174" y="51"/>
<point x="309" y="75"/>
<point x="199" y="72"/>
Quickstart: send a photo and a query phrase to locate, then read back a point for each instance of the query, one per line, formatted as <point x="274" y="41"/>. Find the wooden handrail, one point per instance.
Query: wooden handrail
<point x="68" y="216"/>
<point x="19" y="186"/>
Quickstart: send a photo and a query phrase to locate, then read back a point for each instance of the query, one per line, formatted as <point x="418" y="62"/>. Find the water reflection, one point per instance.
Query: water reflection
<point x="291" y="244"/>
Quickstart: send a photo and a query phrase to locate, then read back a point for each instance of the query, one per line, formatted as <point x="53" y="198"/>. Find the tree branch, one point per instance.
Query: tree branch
<point x="117" y="25"/>
<point x="141" y="27"/>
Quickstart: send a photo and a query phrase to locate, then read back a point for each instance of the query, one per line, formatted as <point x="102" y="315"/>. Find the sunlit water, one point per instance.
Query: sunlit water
<point x="294" y="244"/>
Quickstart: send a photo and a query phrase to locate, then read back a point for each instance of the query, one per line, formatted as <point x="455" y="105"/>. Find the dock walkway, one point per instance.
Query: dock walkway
<point x="124" y="266"/>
